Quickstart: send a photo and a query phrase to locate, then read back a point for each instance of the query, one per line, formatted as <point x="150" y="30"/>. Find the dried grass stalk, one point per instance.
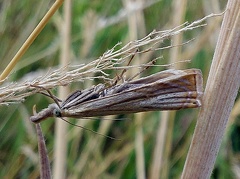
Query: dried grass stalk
<point x="221" y="91"/>
<point x="112" y="59"/>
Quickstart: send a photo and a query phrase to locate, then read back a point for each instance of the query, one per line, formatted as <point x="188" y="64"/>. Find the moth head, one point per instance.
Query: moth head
<point x="52" y="111"/>
<point x="55" y="110"/>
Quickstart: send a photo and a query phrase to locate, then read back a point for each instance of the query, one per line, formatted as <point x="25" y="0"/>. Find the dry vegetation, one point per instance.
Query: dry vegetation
<point x="153" y="145"/>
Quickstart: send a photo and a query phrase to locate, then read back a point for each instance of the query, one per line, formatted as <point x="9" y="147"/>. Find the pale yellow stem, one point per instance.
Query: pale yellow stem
<point x="60" y="146"/>
<point x="30" y="39"/>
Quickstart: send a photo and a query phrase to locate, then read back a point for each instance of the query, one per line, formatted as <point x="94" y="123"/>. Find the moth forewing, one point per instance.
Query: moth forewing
<point x="170" y="90"/>
<point x="166" y="90"/>
<point x="79" y="97"/>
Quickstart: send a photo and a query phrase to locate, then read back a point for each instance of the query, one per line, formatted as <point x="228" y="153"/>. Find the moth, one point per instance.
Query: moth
<point x="166" y="90"/>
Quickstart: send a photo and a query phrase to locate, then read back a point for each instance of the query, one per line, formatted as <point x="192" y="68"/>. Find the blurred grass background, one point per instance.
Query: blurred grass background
<point x="97" y="26"/>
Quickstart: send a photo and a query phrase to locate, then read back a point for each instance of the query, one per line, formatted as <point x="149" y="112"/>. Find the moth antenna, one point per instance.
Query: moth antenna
<point x="109" y="137"/>
<point x="105" y="118"/>
<point x="119" y="119"/>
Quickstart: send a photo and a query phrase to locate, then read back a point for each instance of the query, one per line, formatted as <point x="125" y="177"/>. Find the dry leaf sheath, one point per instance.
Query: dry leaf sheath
<point x="166" y="90"/>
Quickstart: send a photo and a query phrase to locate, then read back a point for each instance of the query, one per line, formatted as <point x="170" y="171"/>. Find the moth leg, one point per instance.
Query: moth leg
<point x="95" y="93"/>
<point x="148" y="65"/>
<point x="120" y="76"/>
<point x="48" y="94"/>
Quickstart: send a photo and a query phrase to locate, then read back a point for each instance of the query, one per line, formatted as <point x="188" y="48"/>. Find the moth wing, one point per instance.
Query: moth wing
<point x="173" y="91"/>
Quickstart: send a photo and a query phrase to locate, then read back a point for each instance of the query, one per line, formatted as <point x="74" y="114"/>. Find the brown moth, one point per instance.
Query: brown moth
<point x="165" y="90"/>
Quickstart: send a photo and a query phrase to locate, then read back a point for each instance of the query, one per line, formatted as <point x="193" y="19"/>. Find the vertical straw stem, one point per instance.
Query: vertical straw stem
<point x="221" y="91"/>
<point x="30" y="39"/>
<point x="60" y="150"/>
<point x="160" y="159"/>
<point x="137" y="28"/>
